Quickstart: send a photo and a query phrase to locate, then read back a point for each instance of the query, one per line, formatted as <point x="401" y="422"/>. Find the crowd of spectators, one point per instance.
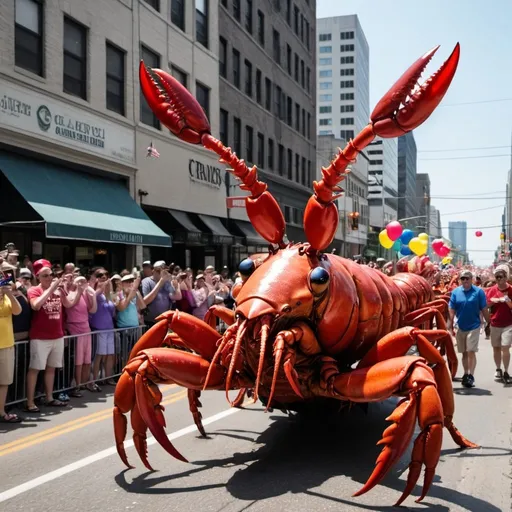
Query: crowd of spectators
<point x="82" y="323"/>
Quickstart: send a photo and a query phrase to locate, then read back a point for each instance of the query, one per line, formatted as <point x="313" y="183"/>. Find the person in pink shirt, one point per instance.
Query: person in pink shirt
<point x="77" y="324"/>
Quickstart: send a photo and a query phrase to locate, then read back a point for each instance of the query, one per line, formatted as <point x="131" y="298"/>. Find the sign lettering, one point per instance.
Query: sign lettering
<point x="205" y="174"/>
<point x="126" y="238"/>
<point x="27" y="111"/>
<point x="235" y="202"/>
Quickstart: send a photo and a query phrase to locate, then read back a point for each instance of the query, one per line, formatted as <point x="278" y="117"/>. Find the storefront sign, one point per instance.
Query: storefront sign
<point x="205" y="174"/>
<point x="126" y="238"/>
<point x="28" y="111"/>
<point x="235" y="202"/>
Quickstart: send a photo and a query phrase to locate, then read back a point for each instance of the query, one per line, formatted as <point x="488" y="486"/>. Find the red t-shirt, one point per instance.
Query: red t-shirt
<point x="501" y="314"/>
<point x="47" y="323"/>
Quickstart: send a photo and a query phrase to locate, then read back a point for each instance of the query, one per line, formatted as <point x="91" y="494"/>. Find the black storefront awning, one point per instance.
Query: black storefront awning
<point x="220" y="235"/>
<point x="251" y="235"/>
<point x="190" y="232"/>
<point x="79" y="206"/>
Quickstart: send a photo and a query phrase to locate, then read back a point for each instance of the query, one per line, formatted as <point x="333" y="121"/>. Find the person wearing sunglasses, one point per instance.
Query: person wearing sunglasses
<point x="468" y="303"/>
<point x="499" y="298"/>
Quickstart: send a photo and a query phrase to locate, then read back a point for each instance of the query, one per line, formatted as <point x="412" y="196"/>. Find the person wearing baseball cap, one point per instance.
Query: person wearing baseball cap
<point x="46" y="332"/>
<point x="468" y="303"/>
<point x="499" y="298"/>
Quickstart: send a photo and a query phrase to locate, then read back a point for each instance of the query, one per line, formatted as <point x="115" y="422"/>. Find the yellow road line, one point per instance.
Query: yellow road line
<point x="175" y="397"/>
<point x="63" y="426"/>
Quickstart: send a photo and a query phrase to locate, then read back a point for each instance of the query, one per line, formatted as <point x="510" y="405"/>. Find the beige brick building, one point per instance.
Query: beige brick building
<point x="74" y="133"/>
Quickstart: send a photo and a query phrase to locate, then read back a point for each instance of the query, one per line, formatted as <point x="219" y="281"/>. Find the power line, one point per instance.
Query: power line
<point x="460" y="149"/>
<point x="465" y="157"/>
<point x="471" y="211"/>
<point x="474" y="102"/>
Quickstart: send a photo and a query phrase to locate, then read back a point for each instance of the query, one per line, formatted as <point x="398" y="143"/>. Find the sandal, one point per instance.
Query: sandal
<point x="55" y="403"/>
<point x="10" y="418"/>
<point x="76" y="393"/>
<point x="34" y="409"/>
<point x="94" y="388"/>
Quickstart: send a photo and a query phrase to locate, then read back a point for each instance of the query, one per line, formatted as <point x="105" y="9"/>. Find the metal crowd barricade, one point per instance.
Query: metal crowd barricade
<point x="125" y="339"/>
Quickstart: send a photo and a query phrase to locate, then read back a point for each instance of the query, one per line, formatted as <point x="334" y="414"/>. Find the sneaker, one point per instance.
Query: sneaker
<point x="471" y="381"/>
<point x="465" y="380"/>
<point x="506" y="378"/>
<point x="498" y="375"/>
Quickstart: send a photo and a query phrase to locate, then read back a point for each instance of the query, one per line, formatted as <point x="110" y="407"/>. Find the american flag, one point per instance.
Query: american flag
<point x="152" y="152"/>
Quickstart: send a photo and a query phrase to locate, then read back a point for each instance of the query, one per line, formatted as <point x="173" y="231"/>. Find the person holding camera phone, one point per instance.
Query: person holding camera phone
<point x="499" y="298"/>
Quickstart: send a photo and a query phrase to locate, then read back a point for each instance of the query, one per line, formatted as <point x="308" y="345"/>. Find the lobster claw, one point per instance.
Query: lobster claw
<point x="173" y="104"/>
<point x="407" y="105"/>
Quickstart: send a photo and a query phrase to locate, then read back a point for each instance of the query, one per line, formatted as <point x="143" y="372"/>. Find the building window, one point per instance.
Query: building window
<point x="297" y="168"/>
<point x="310" y="178"/>
<point x="296" y="19"/>
<point x="326" y="73"/>
<point x="237" y="136"/>
<point x="248" y="78"/>
<point x="325" y="122"/>
<point x="202" y="22"/>
<point x="203" y="97"/>
<point x="325" y="85"/>
<point x="268" y="94"/>
<point x="289" y="59"/>
<point x="29" y="36"/>
<point x="289" y="163"/>
<point x="178" y="13"/>
<point x="296" y="68"/>
<point x="303" y="131"/>
<point x="261" y="150"/>
<point x="325" y="110"/>
<point x="248" y="16"/>
<point x="223" y="130"/>
<point x="180" y="75"/>
<point x="236" y="9"/>
<point x="325" y="62"/>
<point x="302" y="74"/>
<point x="308" y="80"/>
<point x="289" y="12"/>
<point x="236" y="68"/>
<point x="258" y="86"/>
<point x="297" y="117"/>
<point x="325" y="37"/>
<point x="223" y="57"/>
<point x="261" y="28"/>
<point x="276" y="45"/>
<point x="325" y="49"/>
<point x="347" y="35"/>
<point x="270" y="154"/>
<point x="325" y="97"/>
<point x="115" y="79"/>
<point x="289" y="111"/>
<point x="152" y="60"/>
<point x="347" y="72"/>
<point x="75" y="59"/>
<point x="309" y="126"/>
<point x="281" y="164"/>
<point x="154" y="3"/>
<point x="303" y="171"/>
<point x="224" y="3"/>
<point x="249" y="141"/>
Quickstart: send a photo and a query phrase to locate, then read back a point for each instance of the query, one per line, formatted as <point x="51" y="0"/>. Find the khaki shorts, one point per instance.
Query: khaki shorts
<point x="501" y="336"/>
<point x="467" y="341"/>
<point x="6" y="366"/>
<point x="45" y="353"/>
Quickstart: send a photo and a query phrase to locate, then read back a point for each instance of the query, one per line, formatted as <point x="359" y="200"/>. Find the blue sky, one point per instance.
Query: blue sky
<point x="398" y="32"/>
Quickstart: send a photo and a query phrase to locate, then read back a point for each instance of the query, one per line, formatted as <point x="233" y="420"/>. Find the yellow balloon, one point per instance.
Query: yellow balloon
<point x="446" y="260"/>
<point x="384" y="240"/>
<point x="423" y="236"/>
<point x="418" y="247"/>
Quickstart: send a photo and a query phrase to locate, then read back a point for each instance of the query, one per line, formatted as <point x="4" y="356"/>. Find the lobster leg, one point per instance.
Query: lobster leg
<point x="140" y="394"/>
<point x="225" y="314"/>
<point x="421" y="316"/>
<point x="398" y="376"/>
<point x="397" y="344"/>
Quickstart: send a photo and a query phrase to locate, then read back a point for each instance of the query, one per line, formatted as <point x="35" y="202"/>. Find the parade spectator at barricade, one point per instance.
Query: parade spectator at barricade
<point x="147" y="269"/>
<point x="129" y="303"/>
<point x="468" y="302"/>
<point x="9" y="306"/>
<point x="103" y="323"/>
<point x="499" y="298"/>
<point x="46" y="332"/>
<point x="159" y="293"/>
<point x="203" y="296"/>
<point x="77" y="324"/>
<point x="21" y="322"/>
<point x="187" y="302"/>
<point x="26" y="278"/>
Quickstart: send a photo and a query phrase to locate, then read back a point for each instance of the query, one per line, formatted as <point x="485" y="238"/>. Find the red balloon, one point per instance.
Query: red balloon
<point x="478" y="233"/>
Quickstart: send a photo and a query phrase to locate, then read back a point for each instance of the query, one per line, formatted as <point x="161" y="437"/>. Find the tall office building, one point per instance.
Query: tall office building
<point x="382" y="182"/>
<point x="457" y="233"/>
<point x="343" y="105"/>
<point x="267" y="100"/>
<point x="407" y="160"/>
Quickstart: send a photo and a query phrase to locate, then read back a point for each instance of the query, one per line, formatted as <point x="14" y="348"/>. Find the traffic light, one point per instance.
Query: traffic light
<point x="354" y="220"/>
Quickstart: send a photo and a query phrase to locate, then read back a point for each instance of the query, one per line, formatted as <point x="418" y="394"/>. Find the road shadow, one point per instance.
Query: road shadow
<point x="298" y="454"/>
<point x="472" y="391"/>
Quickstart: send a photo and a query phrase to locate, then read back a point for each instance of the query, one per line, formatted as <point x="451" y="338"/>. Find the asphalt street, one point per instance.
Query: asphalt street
<point x="65" y="460"/>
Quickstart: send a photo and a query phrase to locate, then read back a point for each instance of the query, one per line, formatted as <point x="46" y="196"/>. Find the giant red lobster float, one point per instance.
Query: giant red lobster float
<point x="303" y="318"/>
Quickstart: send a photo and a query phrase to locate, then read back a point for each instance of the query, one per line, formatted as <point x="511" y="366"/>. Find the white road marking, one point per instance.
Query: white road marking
<point x="79" y="464"/>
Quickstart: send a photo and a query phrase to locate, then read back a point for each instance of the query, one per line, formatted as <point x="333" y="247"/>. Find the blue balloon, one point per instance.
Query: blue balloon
<point x="397" y="245"/>
<point x="405" y="251"/>
<point x="406" y="236"/>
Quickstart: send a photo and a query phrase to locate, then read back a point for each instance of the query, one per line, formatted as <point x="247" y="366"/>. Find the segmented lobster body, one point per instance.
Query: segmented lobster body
<point x="307" y="325"/>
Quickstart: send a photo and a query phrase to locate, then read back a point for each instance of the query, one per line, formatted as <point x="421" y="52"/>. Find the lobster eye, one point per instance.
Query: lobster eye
<point x="319" y="279"/>
<point x="246" y="267"/>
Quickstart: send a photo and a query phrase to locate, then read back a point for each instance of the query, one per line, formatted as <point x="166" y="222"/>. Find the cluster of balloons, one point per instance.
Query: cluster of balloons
<point x="440" y="248"/>
<point x="403" y="240"/>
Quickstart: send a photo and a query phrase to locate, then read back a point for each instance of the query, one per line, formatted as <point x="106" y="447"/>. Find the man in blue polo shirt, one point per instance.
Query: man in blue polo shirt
<point x="468" y="303"/>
